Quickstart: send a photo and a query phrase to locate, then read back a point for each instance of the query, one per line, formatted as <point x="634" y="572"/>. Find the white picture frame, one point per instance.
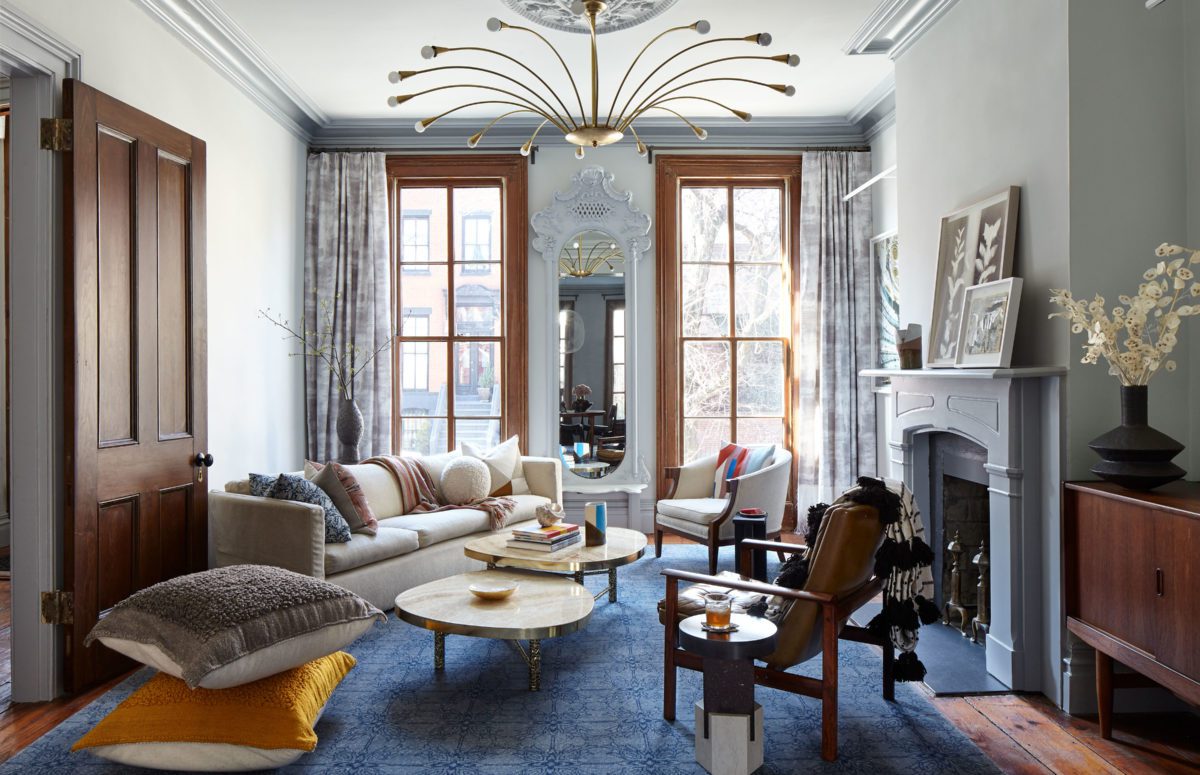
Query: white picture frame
<point x="989" y="324"/>
<point x="975" y="245"/>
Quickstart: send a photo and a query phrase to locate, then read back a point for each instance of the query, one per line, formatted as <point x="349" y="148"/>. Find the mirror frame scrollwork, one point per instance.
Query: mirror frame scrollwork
<point x="593" y="204"/>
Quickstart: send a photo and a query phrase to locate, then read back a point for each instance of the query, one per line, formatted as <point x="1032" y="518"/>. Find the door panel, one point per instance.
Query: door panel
<point x="135" y="394"/>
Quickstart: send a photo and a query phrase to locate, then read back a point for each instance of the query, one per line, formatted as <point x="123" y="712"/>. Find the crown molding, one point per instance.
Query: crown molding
<point x="762" y="132"/>
<point x="895" y="25"/>
<point x="218" y="38"/>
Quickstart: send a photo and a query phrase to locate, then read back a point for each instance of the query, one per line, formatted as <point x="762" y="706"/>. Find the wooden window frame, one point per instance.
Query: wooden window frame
<point x="462" y="170"/>
<point x="671" y="173"/>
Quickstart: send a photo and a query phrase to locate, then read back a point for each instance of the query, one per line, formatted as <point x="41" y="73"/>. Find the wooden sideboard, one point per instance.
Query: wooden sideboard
<point x="1131" y="576"/>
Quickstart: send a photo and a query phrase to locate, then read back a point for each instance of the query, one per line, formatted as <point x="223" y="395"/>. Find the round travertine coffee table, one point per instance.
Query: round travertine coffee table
<point x="622" y="547"/>
<point x="543" y="606"/>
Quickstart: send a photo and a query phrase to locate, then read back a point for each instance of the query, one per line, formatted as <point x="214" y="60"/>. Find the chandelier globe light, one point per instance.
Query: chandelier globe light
<point x="588" y="129"/>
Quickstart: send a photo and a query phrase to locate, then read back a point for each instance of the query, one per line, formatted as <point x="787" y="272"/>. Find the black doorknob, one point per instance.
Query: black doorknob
<point x="204" y="459"/>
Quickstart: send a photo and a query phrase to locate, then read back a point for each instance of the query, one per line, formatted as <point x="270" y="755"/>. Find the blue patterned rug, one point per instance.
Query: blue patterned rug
<point x="599" y="711"/>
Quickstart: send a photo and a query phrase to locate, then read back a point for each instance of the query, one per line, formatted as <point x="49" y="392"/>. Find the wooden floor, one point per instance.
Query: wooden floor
<point x="1023" y="734"/>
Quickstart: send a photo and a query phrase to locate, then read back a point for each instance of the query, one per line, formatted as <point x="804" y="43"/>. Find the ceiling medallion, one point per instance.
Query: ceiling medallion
<point x="567" y="15"/>
<point x="580" y="129"/>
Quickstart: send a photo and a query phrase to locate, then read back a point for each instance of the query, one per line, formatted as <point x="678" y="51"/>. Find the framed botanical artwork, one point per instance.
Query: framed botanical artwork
<point x="885" y="252"/>
<point x="989" y="323"/>
<point x="975" y="246"/>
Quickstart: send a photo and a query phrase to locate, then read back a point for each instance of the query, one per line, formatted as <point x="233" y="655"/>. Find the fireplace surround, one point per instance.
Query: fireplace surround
<point x="1014" y="417"/>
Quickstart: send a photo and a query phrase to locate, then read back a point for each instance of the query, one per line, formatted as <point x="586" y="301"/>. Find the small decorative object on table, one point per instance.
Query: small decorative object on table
<point x="493" y="590"/>
<point x="1136" y="341"/>
<point x="595" y="515"/>
<point x="581" y="393"/>
<point x="548" y="515"/>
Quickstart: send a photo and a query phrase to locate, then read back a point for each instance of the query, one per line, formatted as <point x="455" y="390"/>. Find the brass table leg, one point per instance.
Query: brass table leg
<point x="612" y="585"/>
<point x="535" y="665"/>
<point x="439" y="651"/>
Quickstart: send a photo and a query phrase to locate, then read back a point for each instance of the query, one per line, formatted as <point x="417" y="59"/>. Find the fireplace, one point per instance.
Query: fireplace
<point x="975" y="438"/>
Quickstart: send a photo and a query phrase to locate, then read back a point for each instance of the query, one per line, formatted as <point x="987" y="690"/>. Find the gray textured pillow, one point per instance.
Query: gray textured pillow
<point x="229" y="626"/>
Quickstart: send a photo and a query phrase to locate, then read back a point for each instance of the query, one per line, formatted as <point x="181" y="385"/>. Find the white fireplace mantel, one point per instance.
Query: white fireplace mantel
<point x="1014" y="415"/>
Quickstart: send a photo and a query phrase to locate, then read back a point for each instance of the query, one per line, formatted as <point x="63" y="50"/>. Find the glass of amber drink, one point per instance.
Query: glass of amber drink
<point x="717" y="607"/>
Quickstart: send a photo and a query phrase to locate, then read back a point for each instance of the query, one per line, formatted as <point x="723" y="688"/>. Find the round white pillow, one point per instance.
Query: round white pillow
<point x="465" y="480"/>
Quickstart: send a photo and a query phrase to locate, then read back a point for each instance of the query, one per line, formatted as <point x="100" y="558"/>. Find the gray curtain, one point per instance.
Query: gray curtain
<point x="346" y="266"/>
<point x="833" y="331"/>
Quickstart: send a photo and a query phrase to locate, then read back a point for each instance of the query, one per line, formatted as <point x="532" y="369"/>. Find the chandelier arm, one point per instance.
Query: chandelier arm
<point x="695" y="129"/>
<point x="538" y="35"/>
<point x="564" y="119"/>
<point x="676" y="55"/>
<point x="488" y="126"/>
<point x="633" y="117"/>
<point x="527" y="69"/>
<point x="428" y="122"/>
<point x="633" y="64"/>
<point x="739" y="113"/>
<point x="528" y="146"/>
<point x="595" y="68"/>
<point x="520" y="100"/>
<point x="655" y="92"/>
<point x="641" y="147"/>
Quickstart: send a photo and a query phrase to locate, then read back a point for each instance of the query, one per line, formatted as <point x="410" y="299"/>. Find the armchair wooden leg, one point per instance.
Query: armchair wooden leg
<point x="713" y="549"/>
<point x="670" y="633"/>
<point x="889" y="670"/>
<point x="658" y="534"/>
<point x="829" y="684"/>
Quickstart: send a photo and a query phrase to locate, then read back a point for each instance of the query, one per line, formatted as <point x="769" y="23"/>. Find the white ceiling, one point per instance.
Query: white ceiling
<point x="339" y="55"/>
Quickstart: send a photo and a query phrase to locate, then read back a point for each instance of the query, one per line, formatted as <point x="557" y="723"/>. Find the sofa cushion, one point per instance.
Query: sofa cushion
<point x="435" y="464"/>
<point x="701" y="511"/>
<point x="379" y="488"/>
<point x="364" y="549"/>
<point x="436" y="526"/>
<point x="526" y="507"/>
<point x="688" y="528"/>
<point x="504" y="464"/>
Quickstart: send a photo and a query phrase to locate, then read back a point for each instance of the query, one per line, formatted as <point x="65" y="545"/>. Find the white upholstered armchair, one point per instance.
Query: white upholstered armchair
<point x="691" y="511"/>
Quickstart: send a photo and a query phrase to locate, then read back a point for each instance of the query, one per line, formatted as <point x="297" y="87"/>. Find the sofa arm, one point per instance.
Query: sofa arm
<point x="247" y="529"/>
<point x="544" y="477"/>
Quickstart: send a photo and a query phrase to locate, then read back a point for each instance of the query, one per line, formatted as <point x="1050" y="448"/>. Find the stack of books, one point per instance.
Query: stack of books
<point x="546" y="539"/>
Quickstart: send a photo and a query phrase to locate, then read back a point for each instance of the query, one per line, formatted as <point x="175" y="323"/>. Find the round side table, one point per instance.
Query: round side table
<point x="729" y="739"/>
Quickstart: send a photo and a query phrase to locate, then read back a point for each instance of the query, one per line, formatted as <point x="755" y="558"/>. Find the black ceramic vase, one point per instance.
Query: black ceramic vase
<point x="349" y="431"/>
<point x="1133" y="454"/>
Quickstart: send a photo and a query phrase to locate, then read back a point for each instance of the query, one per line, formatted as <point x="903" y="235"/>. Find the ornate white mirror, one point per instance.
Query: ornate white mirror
<point x="591" y="239"/>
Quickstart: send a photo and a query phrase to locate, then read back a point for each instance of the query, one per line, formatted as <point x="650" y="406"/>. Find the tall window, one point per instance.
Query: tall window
<point x="455" y="244"/>
<point x="615" y="389"/>
<point x="566" y="355"/>
<point x="725" y="307"/>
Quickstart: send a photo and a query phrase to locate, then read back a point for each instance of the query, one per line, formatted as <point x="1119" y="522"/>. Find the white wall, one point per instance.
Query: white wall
<point x="1128" y="195"/>
<point x="884" y="201"/>
<point x="255" y="220"/>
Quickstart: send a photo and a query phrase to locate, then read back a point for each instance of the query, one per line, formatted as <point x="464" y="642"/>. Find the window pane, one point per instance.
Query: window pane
<point x="618" y="373"/>
<point x="423" y="223"/>
<point x="423" y="378"/>
<point x="423" y="435"/>
<point x="760" y="380"/>
<point x="477" y="299"/>
<point x="425" y="291"/>
<point x="759" y="298"/>
<point x="477" y="224"/>
<point x="705" y="300"/>
<point x="619" y="402"/>
<point x="706" y="379"/>
<point x="756" y="224"/>
<point x="618" y="321"/>
<point x="703" y="437"/>
<point x="482" y="433"/>
<point x="760" y="431"/>
<point x="477" y="378"/>
<point x="704" y="224"/>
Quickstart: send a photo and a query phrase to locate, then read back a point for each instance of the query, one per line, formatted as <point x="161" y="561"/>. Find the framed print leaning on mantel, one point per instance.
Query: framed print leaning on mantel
<point x="989" y="323"/>
<point x="975" y="246"/>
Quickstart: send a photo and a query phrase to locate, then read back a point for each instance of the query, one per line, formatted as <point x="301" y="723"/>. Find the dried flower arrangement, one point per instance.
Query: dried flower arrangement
<point x="581" y="391"/>
<point x="1149" y="321"/>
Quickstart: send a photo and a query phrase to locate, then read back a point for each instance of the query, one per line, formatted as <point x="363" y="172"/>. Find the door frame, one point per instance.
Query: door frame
<point x="37" y="61"/>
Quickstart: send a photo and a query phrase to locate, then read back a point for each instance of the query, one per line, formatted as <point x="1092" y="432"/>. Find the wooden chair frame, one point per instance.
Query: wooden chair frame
<point x="833" y="609"/>
<point x="714" y="540"/>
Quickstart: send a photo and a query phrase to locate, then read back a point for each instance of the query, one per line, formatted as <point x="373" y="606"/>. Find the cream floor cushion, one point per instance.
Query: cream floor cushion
<point x="364" y="549"/>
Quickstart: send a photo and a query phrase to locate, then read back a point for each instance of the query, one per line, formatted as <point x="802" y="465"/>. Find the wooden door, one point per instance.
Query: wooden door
<point x="1177" y="591"/>
<point x="135" y="387"/>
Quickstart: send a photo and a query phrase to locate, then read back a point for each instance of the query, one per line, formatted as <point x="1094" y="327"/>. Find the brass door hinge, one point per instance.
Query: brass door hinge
<point x="58" y="607"/>
<point x="56" y="134"/>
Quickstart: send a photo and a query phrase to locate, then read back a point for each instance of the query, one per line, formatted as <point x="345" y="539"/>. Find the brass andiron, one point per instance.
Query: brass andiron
<point x="955" y="604"/>
<point x="982" y="622"/>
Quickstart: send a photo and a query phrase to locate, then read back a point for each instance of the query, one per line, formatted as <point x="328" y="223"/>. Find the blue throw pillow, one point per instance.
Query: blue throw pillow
<point x="759" y="457"/>
<point x="261" y="484"/>
<point x="297" y="488"/>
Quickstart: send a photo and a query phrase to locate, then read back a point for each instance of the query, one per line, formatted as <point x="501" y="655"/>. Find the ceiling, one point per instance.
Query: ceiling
<point x="339" y="60"/>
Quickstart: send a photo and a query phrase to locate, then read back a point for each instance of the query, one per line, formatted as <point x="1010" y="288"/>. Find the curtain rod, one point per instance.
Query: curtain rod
<point x="652" y="148"/>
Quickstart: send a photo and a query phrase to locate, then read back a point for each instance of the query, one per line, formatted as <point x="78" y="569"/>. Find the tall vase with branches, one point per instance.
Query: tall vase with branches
<point x="345" y="363"/>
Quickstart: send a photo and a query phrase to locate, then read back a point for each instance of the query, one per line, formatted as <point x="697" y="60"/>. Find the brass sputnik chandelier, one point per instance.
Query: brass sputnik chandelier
<point x="584" y="262"/>
<point x="579" y="130"/>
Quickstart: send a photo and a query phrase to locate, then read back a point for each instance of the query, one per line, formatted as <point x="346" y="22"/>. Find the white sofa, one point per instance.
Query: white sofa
<point x="410" y="549"/>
